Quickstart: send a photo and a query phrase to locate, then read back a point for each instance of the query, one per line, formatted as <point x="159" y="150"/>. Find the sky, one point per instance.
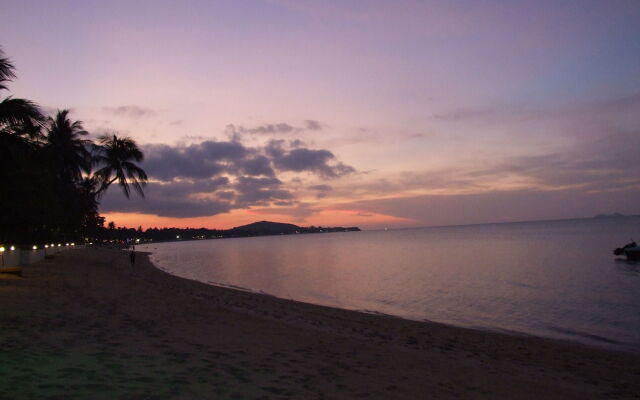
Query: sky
<point x="367" y="113"/>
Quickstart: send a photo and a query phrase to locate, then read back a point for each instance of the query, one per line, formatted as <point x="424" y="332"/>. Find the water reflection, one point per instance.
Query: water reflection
<point x="525" y="277"/>
<point x="629" y="267"/>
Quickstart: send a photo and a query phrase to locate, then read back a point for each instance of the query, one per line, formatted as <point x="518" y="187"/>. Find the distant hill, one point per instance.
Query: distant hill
<point x="277" y="228"/>
<point x="262" y="228"/>
<point x="267" y="228"/>
<point x="613" y="215"/>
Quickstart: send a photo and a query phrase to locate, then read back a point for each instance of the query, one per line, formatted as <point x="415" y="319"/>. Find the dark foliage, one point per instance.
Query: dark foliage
<point x="262" y="228"/>
<point x="48" y="193"/>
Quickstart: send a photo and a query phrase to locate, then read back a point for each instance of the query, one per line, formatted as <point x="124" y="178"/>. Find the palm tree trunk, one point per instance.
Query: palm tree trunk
<point x="104" y="186"/>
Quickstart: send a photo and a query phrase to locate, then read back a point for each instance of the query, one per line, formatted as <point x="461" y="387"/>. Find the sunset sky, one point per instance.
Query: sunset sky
<point x="368" y="113"/>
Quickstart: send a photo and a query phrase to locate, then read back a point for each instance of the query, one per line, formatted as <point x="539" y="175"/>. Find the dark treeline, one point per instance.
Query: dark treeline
<point x="52" y="176"/>
<point x="124" y="234"/>
<point x="262" y="228"/>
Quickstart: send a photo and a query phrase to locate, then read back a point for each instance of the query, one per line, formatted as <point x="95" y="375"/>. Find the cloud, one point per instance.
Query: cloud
<point x="604" y="109"/>
<point x="597" y="167"/>
<point x="499" y="206"/>
<point x="210" y="158"/>
<point x="259" y="191"/>
<point x="298" y="212"/>
<point x="321" y="188"/>
<point x="280" y="128"/>
<point x="599" y="173"/>
<point x="313" y="125"/>
<point x="598" y="164"/>
<point x="460" y="114"/>
<point x="268" y="129"/>
<point x="214" y="177"/>
<point x="258" y="165"/>
<point x="198" y="198"/>
<point x="594" y="175"/>
<point x="165" y="162"/>
<point x="321" y="162"/>
<point x="175" y="199"/>
<point x="130" y="111"/>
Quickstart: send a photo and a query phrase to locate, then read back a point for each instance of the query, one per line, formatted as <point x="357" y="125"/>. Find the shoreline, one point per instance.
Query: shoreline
<point x="88" y="325"/>
<point x="596" y="341"/>
<point x="567" y="334"/>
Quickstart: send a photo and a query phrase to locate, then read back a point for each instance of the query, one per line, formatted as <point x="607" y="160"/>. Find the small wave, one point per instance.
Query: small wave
<point x="243" y="289"/>
<point x="585" y="335"/>
<point x="520" y="284"/>
<point x="374" y="312"/>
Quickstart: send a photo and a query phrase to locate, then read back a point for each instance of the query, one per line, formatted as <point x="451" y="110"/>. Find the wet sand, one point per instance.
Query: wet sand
<point x="88" y="325"/>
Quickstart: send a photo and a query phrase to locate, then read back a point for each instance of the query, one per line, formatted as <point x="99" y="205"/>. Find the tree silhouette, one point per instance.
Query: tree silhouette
<point x="27" y="191"/>
<point x="67" y="148"/>
<point x="48" y="193"/>
<point x="119" y="155"/>
<point x="19" y="118"/>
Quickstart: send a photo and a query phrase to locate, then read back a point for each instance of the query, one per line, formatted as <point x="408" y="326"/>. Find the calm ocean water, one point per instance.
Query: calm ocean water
<point x="554" y="278"/>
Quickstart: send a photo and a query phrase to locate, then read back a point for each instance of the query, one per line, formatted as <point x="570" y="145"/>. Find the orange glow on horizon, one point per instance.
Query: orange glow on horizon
<point x="220" y="221"/>
<point x="327" y="217"/>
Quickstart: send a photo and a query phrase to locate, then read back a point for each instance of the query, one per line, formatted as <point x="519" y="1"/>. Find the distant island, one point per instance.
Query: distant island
<point x="612" y="215"/>
<point x="261" y="228"/>
<point x="277" y="228"/>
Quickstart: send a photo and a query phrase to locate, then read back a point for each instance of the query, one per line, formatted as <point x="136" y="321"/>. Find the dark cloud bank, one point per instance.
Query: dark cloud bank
<point x="215" y="177"/>
<point x="598" y="173"/>
<point x="595" y="176"/>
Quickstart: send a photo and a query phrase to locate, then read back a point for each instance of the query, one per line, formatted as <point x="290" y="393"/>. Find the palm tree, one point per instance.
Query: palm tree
<point x="18" y="117"/>
<point x="118" y="156"/>
<point x="6" y="70"/>
<point x="67" y="149"/>
<point x="26" y="192"/>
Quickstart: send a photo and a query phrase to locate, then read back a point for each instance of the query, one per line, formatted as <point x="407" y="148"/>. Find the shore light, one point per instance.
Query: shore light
<point x="12" y="248"/>
<point x="59" y="245"/>
<point x="66" y="244"/>
<point x="46" y="246"/>
<point x="2" y="249"/>
<point x="177" y="236"/>
<point x="35" y="247"/>
<point x="73" y="244"/>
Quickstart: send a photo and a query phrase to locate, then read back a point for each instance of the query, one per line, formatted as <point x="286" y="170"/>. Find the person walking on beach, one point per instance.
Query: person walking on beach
<point x="132" y="257"/>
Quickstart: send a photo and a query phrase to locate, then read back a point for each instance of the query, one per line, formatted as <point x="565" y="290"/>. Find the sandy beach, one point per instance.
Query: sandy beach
<point x="87" y="324"/>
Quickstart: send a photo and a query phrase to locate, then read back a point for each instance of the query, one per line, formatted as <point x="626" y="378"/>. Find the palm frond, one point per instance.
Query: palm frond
<point x="7" y="69"/>
<point x="19" y="113"/>
<point x="65" y="143"/>
<point x="118" y="156"/>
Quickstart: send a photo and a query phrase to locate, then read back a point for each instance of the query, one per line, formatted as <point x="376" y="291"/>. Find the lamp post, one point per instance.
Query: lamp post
<point x="2" y="254"/>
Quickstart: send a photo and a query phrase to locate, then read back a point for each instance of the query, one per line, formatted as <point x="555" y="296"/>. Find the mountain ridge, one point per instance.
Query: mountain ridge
<point x="280" y="228"/>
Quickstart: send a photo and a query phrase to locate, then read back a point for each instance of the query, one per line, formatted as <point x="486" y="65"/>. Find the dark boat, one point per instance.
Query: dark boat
<point x="631" y="250"/>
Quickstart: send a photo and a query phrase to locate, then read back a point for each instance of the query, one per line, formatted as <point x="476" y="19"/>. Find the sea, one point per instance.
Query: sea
<point x="555" y="279"/>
